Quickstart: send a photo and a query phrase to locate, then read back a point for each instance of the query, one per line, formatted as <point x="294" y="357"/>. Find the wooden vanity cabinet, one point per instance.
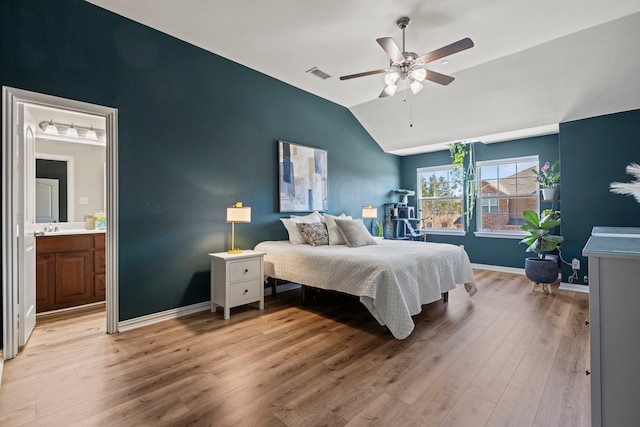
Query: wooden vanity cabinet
<point x="69" y="271"/>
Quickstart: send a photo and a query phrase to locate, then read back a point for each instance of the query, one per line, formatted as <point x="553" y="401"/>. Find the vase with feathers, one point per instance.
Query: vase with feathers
<point x="629" y="188"/>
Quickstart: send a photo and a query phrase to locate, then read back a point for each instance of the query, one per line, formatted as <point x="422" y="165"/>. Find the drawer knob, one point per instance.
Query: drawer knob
<point x="246" y="270"/>
<point x="246" y="290"/>
<point x="586" y="322"/>
<point x="588" y="372"/>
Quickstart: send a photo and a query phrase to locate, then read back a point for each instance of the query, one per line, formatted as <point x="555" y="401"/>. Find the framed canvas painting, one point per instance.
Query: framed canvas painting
<point x="302" y="178"/>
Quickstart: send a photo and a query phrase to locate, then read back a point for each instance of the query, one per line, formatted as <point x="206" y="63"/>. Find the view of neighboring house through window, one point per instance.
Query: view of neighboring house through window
<point x="440" y="196"/>
<point x="506" y="188"/>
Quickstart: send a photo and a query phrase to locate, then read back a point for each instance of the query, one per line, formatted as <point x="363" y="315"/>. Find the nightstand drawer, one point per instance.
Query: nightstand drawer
<point x="244" y="270"/>
<point x="244" y="290"/>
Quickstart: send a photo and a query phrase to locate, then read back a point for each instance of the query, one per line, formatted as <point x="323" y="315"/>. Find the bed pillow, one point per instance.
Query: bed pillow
<point x="335" y="236"/>
<point x="315" y="233"/>
<point x="290" y="224"/>
<point x="355" y="233"/>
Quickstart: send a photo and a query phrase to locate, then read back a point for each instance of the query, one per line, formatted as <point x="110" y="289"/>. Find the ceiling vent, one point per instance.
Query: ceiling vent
<point x="318" y="73"/>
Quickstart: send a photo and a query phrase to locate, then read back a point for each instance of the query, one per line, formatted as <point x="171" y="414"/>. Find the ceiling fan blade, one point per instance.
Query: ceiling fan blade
<point x="436" y="77"/>
<point x="366" y="73"/>
<point x="392" y="49"/>
<point x="455" y="47"/>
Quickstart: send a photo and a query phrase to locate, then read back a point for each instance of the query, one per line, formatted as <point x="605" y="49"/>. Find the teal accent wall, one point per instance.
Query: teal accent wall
<point x="484" y="250"/>
<point x="197" y="132"/>
<point x="594" y="153"/>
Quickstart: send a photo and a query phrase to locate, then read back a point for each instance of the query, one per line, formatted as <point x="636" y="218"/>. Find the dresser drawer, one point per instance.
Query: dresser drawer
<point x="244" y="270"/>
<point x="244" y="290"/>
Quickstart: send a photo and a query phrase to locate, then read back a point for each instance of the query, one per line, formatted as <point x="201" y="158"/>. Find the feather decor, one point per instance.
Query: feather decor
<point x="629" y="188"/>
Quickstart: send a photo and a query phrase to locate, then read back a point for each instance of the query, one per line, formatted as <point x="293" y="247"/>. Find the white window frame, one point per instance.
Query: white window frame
<point x="439" y="231"/>
<point x="501" y="234"/>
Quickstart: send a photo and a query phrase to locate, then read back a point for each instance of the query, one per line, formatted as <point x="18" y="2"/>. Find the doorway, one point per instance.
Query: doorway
<point x="15" y="207"/>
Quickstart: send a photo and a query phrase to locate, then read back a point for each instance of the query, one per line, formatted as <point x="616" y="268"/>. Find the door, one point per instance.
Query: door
<point x="26" y="164"/>
<point x="47" y="200"/>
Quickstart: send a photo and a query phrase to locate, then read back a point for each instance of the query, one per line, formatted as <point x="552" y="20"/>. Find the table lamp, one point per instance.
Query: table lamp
<point x="369" y="212"/>
<point x="237" y="213"/>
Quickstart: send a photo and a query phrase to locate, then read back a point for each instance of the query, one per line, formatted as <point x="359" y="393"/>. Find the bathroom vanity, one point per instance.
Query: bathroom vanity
<point x="70" y="269"/>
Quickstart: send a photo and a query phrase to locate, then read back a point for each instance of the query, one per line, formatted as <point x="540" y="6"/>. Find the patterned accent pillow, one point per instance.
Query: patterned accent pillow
<point x="315" y="233"/>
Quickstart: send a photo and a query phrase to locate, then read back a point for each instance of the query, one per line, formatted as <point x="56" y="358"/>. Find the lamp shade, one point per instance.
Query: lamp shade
<point x="238" y="214"/>
<point x="369" y="212"/>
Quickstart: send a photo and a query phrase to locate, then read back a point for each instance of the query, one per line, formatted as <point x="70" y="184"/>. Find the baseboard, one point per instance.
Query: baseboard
<point x="499" y="268"/>
<point x="161" y="316"/>
<point x="574" y="287"/>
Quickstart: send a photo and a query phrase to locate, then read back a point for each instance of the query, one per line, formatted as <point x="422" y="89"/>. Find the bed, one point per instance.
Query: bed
<point x="392" y="278"/>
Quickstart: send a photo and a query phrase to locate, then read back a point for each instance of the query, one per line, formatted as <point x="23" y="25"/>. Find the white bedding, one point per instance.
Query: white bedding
<point x="393" y="278"/>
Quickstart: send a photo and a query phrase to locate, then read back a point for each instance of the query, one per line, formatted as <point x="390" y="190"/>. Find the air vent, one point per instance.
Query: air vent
<point x="318" y="73"/>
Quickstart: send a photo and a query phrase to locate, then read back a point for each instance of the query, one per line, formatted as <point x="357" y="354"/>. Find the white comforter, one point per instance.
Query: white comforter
<point x="393" y="278"/>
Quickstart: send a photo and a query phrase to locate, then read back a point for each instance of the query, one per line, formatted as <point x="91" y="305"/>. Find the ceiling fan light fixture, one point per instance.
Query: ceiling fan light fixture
<point x="419" y="74"/>
<point x="391" y="89"/>
<point x="391" y="78"/>
<point x="416" y="86"/>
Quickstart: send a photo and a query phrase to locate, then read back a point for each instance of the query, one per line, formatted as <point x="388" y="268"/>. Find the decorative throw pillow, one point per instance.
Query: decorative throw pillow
<point x="290" y="224"/>
<point x="335" y="236"/>
<point x="315" y="233"/>
<point x="355" y="233"/>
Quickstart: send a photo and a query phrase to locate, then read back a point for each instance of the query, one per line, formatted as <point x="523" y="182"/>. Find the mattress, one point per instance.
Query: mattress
<point x="393" y="279"/>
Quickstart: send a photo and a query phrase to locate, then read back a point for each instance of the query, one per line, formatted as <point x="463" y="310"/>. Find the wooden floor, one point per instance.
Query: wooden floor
<point x="505" y="357"/>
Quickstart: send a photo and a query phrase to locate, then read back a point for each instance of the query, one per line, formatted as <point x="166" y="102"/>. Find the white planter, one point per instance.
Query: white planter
<point x="549" y="193"/>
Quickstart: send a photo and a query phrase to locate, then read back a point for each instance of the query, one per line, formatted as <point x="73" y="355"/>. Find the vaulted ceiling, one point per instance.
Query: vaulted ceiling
<point x="534" y="64"/>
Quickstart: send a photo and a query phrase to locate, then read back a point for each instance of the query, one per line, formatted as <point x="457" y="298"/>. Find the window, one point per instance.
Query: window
<point x="440" y="196"/>
<point x="507" y="188"/>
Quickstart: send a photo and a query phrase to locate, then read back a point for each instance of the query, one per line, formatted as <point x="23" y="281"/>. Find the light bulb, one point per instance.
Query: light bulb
<point x="391" y="78"/>
<point x="418" y="74"/>
<point x="51" y="129"/>
<point x="91" y="134"/>
<point x="391" y="89"/>
<point x="416" y="86"/>
<point x="72" y="132"/>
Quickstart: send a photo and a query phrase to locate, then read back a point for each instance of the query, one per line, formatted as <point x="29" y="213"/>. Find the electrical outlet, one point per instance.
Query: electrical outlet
<point x="575" y="264"/>
<point x="83" y="201"/>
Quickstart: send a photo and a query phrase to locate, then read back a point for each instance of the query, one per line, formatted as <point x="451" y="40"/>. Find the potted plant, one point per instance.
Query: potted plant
<point x="549" y="178"/>
<point x="539" y="239"/>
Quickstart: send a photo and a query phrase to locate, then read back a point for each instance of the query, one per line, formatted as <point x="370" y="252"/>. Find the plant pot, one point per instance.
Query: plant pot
<point x="549" y="193"/>
<point x="541" y="270"/>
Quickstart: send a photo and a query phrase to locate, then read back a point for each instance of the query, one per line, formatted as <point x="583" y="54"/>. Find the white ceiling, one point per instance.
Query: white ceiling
<point x="534" y="64"/>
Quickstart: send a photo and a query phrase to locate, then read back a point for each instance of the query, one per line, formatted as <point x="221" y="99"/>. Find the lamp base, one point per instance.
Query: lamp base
<point x="234" y="251"/>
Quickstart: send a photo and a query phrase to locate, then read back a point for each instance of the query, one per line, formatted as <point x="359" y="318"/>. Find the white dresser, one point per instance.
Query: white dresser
<point x="236" y="279"/>
<point x="614" y="318"/>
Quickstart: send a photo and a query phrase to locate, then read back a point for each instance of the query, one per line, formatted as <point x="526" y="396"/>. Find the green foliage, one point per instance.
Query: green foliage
<point x="458" y="152"/>
<point x="540" y="239"/>
<point x="549" y="175"/>
<point x="378" y="228"/>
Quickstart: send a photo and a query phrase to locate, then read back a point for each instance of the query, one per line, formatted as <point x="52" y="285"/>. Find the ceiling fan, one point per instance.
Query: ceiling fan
<point x="408" y="65"/>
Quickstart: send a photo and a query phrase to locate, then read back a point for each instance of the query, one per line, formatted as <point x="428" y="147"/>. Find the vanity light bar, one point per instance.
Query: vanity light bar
<point x="60" y="129"/>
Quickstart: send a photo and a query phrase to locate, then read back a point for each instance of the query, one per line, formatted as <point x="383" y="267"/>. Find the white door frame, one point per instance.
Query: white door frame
<point x="10" y="204"/>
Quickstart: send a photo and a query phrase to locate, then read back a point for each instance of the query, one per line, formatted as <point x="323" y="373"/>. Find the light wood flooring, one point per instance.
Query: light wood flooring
<point x="505" y="357"/>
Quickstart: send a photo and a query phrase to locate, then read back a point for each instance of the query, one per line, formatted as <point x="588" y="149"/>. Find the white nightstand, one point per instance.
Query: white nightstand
<point x="236" y="279"/>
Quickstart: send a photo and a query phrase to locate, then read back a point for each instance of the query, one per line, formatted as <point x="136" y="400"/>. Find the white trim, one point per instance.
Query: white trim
<point x="1" y="366"/>
<point x="445" y="232"/>
<point x="62" y="310"/>
<point x="11" y="97"/>
<point x="70" y="180"/>
<point x="494" y="162"/>
<point x="573" y="287"/>
<point x="500" y="234"/>
<point x="161" y="316"/>
<point x="499" y="268"/>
